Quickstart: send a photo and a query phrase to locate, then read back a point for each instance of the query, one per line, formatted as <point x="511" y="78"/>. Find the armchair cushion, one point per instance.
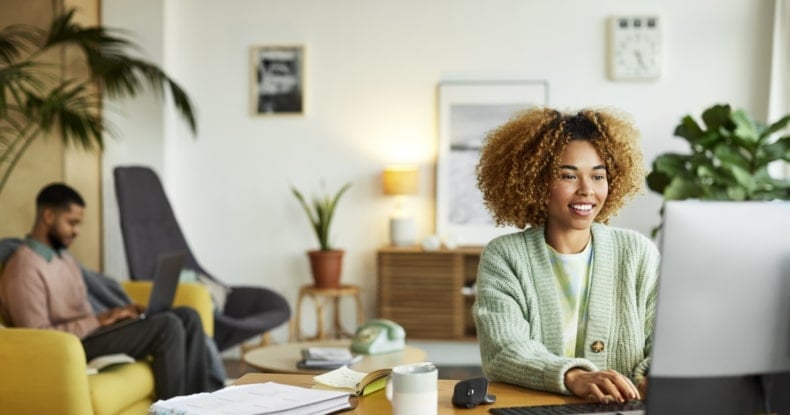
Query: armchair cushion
<point x="113" y="389"/>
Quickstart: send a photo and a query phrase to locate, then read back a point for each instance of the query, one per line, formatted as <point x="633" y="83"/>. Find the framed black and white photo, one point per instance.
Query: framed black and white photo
<point x="278" y="80"/>
<point x="467" y="111"/>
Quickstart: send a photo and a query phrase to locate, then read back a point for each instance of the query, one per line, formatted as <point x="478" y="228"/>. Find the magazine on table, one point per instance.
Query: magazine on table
<point x="327" y="358"/>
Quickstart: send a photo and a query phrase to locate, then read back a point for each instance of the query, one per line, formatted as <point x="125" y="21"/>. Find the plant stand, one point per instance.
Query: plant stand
<point x="320" y="296"/>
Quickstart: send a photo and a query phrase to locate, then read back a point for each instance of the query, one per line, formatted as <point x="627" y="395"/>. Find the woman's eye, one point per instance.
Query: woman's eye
<point x="599" y="177"/>
<point x="568" y="176"/>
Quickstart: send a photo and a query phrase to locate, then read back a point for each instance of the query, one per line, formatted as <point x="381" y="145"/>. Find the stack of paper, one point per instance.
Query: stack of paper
<point x="327" y="358"/>
<point x="255" y="399"/>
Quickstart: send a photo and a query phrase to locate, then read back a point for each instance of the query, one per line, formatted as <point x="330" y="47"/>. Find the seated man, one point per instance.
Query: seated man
<point x="42" y="287"/>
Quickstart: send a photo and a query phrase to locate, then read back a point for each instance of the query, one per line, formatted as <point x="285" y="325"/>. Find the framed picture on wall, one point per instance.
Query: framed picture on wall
<point x="467" y="111"/>
<point x="277" y="86"/>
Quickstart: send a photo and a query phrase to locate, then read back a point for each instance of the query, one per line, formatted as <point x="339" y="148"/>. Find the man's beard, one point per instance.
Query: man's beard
<point x="55" y="241"/>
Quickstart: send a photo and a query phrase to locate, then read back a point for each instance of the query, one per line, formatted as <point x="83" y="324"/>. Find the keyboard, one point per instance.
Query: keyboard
<point x="628" y="408"/>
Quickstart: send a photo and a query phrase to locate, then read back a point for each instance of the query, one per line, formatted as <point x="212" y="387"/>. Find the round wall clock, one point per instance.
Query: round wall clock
<point x="634" y="48"/>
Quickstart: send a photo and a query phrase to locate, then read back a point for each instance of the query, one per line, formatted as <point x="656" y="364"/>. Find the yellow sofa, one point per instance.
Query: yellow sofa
<point x="44" y="371"/>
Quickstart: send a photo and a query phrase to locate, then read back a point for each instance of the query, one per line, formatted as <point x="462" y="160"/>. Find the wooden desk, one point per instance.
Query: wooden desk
<point x="377" y="404"/>
<point x="282" y="358"/>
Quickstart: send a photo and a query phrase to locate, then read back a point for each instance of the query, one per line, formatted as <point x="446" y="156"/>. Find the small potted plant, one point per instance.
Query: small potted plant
<point x="325" y="262"/>
<point x="729" y="159"/>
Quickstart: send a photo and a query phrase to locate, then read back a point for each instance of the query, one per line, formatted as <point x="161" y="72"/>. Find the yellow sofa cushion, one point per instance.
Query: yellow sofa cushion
<point x="113" y="389"/>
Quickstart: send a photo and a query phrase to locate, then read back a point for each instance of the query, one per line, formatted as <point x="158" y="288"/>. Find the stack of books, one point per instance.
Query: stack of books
<point x="326" y="358"/>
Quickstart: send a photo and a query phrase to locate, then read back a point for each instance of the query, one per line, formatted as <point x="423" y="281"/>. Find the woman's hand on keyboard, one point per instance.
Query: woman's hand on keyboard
<point x="602" y="386"/>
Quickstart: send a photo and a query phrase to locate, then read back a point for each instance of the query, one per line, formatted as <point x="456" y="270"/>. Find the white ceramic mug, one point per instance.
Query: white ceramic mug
<point x="412" y="389"/>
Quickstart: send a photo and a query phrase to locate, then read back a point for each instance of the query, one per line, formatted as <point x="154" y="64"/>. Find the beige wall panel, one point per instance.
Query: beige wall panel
<point x="41" y="164"/>
<point x="37" y="12"/>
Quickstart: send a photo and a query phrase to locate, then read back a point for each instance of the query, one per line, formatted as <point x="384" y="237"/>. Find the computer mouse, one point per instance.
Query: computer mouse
<point x="472" y="392"/>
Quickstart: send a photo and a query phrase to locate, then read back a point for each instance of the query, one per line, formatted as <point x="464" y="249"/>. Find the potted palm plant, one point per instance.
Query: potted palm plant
<point x="729" y="159"/>
<point x="325" y="262"/>
<point x="36" y="100"/>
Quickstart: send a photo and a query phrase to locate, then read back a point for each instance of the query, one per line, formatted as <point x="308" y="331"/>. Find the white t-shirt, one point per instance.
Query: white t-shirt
<point x="572" y="272"/>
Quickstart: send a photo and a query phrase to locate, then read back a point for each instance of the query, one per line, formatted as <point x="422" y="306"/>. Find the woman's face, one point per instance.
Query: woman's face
<point x="578" y="192"/>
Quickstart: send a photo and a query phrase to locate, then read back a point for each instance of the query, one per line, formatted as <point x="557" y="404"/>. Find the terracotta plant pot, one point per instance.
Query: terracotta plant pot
<point x="326" y="267"/>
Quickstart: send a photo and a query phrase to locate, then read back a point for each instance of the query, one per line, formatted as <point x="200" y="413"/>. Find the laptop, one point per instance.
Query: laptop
<point x="168" y="271"/>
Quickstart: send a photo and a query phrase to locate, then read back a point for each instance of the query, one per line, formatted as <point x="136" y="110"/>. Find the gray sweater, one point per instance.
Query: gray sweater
<point x="518" y="313"/>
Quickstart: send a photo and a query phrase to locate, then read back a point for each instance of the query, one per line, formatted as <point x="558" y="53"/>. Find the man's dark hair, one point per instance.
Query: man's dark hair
<point x="58" y="196"/>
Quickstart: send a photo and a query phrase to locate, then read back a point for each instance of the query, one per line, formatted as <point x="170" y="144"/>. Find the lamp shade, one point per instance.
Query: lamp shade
<point x="400" y="180"/>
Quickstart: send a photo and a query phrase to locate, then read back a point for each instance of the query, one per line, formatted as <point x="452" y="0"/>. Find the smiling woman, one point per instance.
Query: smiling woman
<point x="566" y="305"/>
<point x="521" y="157"/>
<point x="577" y="195"/>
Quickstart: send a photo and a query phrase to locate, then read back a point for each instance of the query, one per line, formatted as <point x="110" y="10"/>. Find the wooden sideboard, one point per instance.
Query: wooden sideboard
<point x="424" y="290"/>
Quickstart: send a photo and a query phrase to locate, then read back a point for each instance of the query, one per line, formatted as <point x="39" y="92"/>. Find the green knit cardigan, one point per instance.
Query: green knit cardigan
<point x="518" y="318"/>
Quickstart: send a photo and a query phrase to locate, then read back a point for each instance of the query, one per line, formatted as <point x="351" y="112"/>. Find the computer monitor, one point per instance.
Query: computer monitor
<point x="722" y="329"/>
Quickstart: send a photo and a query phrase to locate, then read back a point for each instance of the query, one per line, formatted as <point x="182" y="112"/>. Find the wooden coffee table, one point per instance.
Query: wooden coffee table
<point x="282" y="358"/>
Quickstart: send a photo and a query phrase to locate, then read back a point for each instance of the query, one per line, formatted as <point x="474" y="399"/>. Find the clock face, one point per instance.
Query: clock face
<point x="634" y="48"/>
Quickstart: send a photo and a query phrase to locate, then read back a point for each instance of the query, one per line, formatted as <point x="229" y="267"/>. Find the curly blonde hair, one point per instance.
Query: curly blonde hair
<point x="521" y="157"/>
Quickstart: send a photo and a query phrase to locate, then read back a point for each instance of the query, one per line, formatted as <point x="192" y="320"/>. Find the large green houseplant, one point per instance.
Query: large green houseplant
<point x="36" y="99"/>
<point x="326" y="262"/>
<point x="729" y="159"/>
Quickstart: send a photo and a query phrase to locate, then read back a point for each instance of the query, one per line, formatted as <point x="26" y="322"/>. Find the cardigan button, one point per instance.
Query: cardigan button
<point x="597" y="346"/>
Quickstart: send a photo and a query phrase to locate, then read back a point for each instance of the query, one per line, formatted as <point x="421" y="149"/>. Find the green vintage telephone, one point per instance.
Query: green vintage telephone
<point x="378" y="336"/>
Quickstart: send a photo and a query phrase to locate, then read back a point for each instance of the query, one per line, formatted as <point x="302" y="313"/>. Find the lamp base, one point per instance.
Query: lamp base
<point x="403" y="231"/>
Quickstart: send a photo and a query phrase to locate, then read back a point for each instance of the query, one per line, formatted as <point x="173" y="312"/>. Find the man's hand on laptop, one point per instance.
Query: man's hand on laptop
<point x="604" y="386"/>
<point x="119" y="313"/>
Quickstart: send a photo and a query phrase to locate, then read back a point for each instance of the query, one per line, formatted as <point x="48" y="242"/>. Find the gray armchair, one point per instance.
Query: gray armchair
<point x="149" y="228"/>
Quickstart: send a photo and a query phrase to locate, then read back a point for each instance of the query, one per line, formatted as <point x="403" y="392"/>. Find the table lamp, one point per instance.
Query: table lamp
<point x="401" y="181"/>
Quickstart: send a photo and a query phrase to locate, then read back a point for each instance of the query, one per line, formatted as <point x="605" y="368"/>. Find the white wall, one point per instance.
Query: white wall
<point x="372" y="71"/>
<point x="137" y="124"/>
